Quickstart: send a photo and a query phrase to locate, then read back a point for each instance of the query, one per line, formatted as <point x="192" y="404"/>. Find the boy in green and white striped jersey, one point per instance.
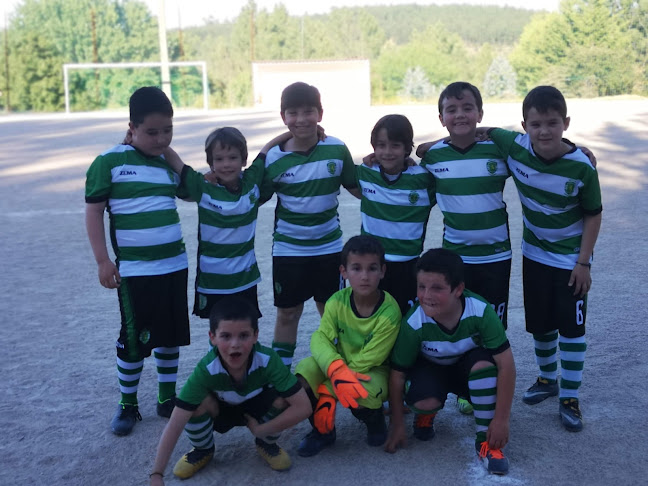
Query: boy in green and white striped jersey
<point x="135" y="185"/>
<point x="228" y="203"/>
<point x="452" y="341"/>
<point x="395" y="204"/>
<point x="239" y="382"/>
<point x="470" y="178"/>
<point x="306" y="174"/>
<point x="561" y="203"/>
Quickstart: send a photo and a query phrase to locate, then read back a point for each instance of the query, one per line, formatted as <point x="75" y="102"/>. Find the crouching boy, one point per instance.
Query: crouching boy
<point x="350" y="349"/>
<point x="452" y="341"/>
<point x="239" y="382"/>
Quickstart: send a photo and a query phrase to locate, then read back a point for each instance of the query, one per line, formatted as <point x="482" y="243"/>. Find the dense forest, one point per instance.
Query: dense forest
<point x="588" y="48"/>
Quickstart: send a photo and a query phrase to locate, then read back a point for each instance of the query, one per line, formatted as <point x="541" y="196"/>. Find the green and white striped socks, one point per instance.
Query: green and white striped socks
<point x="166" y="360"/>
<point x="572" y="359"/>
<point x="129" y="376"/>
<point x="483" y="393"/>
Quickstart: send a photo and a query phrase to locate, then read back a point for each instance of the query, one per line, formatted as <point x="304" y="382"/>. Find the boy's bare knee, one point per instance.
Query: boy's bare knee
<point x="428" y="404"/>
<point x="289" y="317"/>
<point x="209" y="405"/>
<point x="480" y="365"/>
<point x="280" y="403"/>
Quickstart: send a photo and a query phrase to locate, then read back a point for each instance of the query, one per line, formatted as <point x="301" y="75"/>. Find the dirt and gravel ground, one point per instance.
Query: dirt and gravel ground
<point x="59" y="325"/>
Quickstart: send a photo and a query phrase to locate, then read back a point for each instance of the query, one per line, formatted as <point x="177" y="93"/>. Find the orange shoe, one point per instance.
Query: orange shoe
<point x="493" y="459"/>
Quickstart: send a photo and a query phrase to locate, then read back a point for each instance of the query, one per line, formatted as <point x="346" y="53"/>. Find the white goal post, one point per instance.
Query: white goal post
<point x="130" y="65"/>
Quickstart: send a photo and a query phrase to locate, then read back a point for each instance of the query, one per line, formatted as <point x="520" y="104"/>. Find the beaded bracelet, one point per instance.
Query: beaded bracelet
<point x="154" y="473"/>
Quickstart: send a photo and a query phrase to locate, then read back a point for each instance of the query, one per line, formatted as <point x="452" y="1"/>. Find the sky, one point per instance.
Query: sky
<point x="194" y="12"/>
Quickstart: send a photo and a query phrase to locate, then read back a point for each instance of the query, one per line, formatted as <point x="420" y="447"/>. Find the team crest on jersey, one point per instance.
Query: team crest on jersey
<point x="413" y="197"/>
<point x="277" y="288"/>
<point x="253" y="198"/>
<point x="491" y="166"/>
<point x="570" y="186"/>
<point x="202" y="301"/>
<point x="145" y="336"/>
<point x="331" y="166"/>
<point x="171" y="176"/>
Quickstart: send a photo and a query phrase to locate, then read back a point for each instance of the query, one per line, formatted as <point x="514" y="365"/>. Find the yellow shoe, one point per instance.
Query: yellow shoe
<point x="275" y="456"/>
<point x="193" y="461"/>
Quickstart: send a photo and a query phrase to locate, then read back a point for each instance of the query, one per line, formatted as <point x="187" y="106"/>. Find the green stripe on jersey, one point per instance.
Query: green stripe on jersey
<point x="421" y="335"/>
<point x="307" y="186"/>
<point x="227" y="230"/>
<point x="209" y="375"/>
<point x="396" y="211"/>
<point x="554" y="197"/>
<point x="469" y="186"/>
<point x="140" y="193"/>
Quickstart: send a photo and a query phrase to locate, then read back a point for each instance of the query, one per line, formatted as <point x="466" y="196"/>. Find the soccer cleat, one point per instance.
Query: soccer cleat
<point x="570" y="414"/>
<point x="314" y="442"/>
<point x="464" y="406"/>
<point x="424" y="426"/>
<point x="493" y="459"/>
<point x="165" y="408"/>
<point x="193" y="461"/>
<point x="124" y="419"/>
<point x="275" y="456"/>
<point x="539" y="391"/>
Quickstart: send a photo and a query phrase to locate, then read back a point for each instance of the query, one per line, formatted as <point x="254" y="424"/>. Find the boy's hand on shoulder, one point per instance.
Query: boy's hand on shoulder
<point x="321" y="133"/>
<point x="497" y="434"/>
<point x="590" y="155"/>
<point x="580" y="279"/>
<point x="370" y="160"/>
<point x="396" y="438"/>
<point x="109" y="275"/>
<point x="128" y="138"/>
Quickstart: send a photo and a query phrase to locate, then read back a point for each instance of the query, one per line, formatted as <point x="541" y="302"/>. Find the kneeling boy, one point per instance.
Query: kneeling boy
<point x="239" y="382"/>
<point x="350" y="349"/>
<point x="452" y="341"/>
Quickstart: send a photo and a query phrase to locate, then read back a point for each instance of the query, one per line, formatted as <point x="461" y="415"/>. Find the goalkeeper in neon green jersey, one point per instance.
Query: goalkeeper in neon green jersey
<point x="350" y="349"/>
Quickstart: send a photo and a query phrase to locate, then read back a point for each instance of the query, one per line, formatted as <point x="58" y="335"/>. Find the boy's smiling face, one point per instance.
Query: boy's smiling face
<point x="153" y="135"/>
<point x="460" y="117"/>
<point x="234" y="340"/>
<point x="227" y="165"/>
<point x="363" y="271"/>
<point x="302" y="123"/>
<point x="545" y="131"/>
<point x="390" y="154"/>
<point x="437" y="298"/>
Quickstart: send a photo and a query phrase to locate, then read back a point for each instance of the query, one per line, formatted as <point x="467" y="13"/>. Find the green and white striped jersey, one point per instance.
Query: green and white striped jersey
<point x="469" y="187"/>
<point x="307" y="187"/>
<point x="396" y="212"/>
<point x="227" y="223"/>
<point x="421" y="335"/>
<point x="265" y="369"/>
<point x="555" y="195"/>
<point x="144" y="223"/>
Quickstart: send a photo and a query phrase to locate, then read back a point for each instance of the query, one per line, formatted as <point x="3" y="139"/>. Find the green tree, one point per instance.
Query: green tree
<point x="500" y="80"/>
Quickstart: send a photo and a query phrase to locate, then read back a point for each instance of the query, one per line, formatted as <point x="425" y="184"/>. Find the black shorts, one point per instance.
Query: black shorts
<point x="491" y="281"/>
<point x="203" y="303"/>
<point x="230" y="416"/>
<point x="297" y="279"/>
<point x="549" y="303"/>
<point x="431" y="380"/>
<point x="400" y="282"/>
<point x="153" y="314"/>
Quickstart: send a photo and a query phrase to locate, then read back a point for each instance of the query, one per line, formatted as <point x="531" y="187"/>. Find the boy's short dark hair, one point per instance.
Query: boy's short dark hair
<point x="227" y="137"/>
<point x="543" y="99"/>
<point x="362" y="245"/>
<point x="233" y="308"/>
<point x="455" y="90"/>
<point x="445" y="262"/>
<point x="399" y="129"/>
<point x="148" y="100"/>
<point x="300" y="94"/>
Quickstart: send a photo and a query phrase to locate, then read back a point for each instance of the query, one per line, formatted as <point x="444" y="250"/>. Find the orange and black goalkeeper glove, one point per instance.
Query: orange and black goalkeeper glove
<point x="346" y="384"/>
<point x="324" y="415"/>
